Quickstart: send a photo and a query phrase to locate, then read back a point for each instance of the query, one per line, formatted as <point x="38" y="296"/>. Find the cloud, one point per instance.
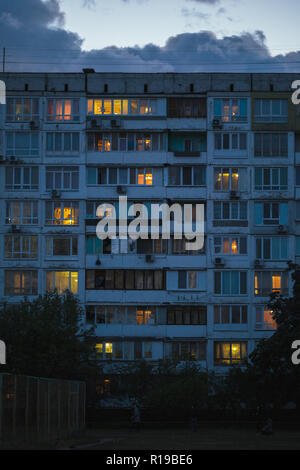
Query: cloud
<point x="36" y="41"/>
<point x="194" y="13"/>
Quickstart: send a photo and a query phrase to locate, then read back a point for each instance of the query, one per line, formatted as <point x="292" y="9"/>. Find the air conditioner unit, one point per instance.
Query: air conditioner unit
<point x="34" y="125"/>
<point x="149" y="259"/>
<point x="234" y="194"/>
<point x="219" y="262"/>
<point x="15" y="228"/>
<point x="216" y="123"/>
<point x="282" y="228"/>
<point x="55" y="193"/>
<point x="121" y="190"/>
<point x="258" y="262"/>
<point x="94" y="123"/>
<point x="115" y="122"/>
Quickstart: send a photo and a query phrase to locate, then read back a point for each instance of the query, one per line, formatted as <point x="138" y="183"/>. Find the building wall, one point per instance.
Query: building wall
<point x="187" y="140"/>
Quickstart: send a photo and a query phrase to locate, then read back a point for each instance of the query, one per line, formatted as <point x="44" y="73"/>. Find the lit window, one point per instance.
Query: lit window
<point x="98" y="107"/>
<point x="99" y="348"/>
<point x="62" y="281"/>
<point x="234" y="246"/>
<point x="117" y="107"/>
<point x="148" y="179"/>
<point x="107" y="107"/>
<point x="276" y="283"/>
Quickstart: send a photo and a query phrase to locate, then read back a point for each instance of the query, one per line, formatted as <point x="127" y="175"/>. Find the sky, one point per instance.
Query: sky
<point x="150" y="35"/>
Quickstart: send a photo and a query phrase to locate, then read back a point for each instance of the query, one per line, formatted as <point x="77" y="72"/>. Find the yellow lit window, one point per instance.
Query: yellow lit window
<point x="133" y="107"/>
<point x="18" y="111"/>
<point x="234" y="246"/>
<point x="98" y="107"/>
<point x="99" y="144"/>
<point x="99" y="348"/>
<point x="236" y="351"/>
<point x="117" y="107"/>
<point x="107" y="107"/>
<point x="148" y="179"/>
<point x="90" y="107"/>
<point x="74" y="283"/>
<point x="125" y="107"/>
<point x="108" y="348"/>
<point x="61" y="281"/>
<point x="147" y="143"/>
<point x="276" y="283"/>
<point x="225" y="353"/>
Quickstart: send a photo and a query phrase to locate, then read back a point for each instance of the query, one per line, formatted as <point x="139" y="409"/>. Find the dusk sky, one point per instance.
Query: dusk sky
<point x="150" y="35"/>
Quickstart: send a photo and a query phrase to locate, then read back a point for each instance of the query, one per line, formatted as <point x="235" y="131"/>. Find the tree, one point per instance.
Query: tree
<point x="270" y="375"/>
<point x="46" y="338"/>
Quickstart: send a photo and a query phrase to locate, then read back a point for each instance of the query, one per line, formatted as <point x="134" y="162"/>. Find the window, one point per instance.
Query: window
<point x="271" y="213"/>
<point x="22" y="109"/>
<point x="62" y="142"/>
<point x="125" y="142"/>
<point x="128" y="350"/>
<point x="21" y="212"/>
<point x="22" y="144"/>
<point x="62" y="213"/>
<point x="272" y="179"/>
<point x="270" y="145"/>
<point x="267" y="282"/>
<point x="266" y="110"/>
<point x="230" y="210"/>
<point x="20" y="282"/>
<point x="183" y="144"/>
<point x="230" y="353"/>
<point x="230" y="314"/>
<point x="230" y="109"/>
<point x="151" y="246"/>
<point x="272" y="248"/>
<point x="297" y="175"/>
<point x="264" y="319"/>
<point x="124" y="107"/>
<point x="63" y="110"/>
<point x="21" y="246"/>
<point x="125" y="279"/>
<point x="62" y="281"/>
<point x="64" y="178"/>
<point x="61" y="246"/>
<point x="187" y="107"/>
<point x="187" y="176"/>
<point x="227" y="179"/>
<point x="91" y="209"/>
<point x="186" y="351"/>
<point x="21" y="178"/>
<point x="230" y="245"/>
<point x="230" y="282"/>
<point x="230" y="141"/>
<point x="187" y="279"/>
<point x="140" y="315"/>
<point x="179" y="247"/>
<point x="183" y="315"/>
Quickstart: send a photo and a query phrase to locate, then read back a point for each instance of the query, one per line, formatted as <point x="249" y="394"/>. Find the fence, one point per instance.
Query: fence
<point x="33" y="408"/>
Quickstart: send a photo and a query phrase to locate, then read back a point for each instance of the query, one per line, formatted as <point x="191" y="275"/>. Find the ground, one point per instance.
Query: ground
<point x="211" y="438"/>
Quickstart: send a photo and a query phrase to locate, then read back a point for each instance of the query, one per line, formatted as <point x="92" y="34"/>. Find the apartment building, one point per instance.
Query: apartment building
<point x="70" y="142"/>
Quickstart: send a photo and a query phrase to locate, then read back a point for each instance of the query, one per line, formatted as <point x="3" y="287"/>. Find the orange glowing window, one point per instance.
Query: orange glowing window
<point x="141" y="178"/>
<point x="234" y="246"/>
<point x="107" y="145"/>
<point x="99" y="348"/>
<point x="226" y="246"/>
<point x="276" y="283"/>
<point x="67" y="114"/>
<point x="140" y="317"/>
<point x="268" y="319"/>
<point x="90" y="107"/>
<point x="59" y="110"/>
<point x="256" y="284"/>
<point x="148" y="179"/>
